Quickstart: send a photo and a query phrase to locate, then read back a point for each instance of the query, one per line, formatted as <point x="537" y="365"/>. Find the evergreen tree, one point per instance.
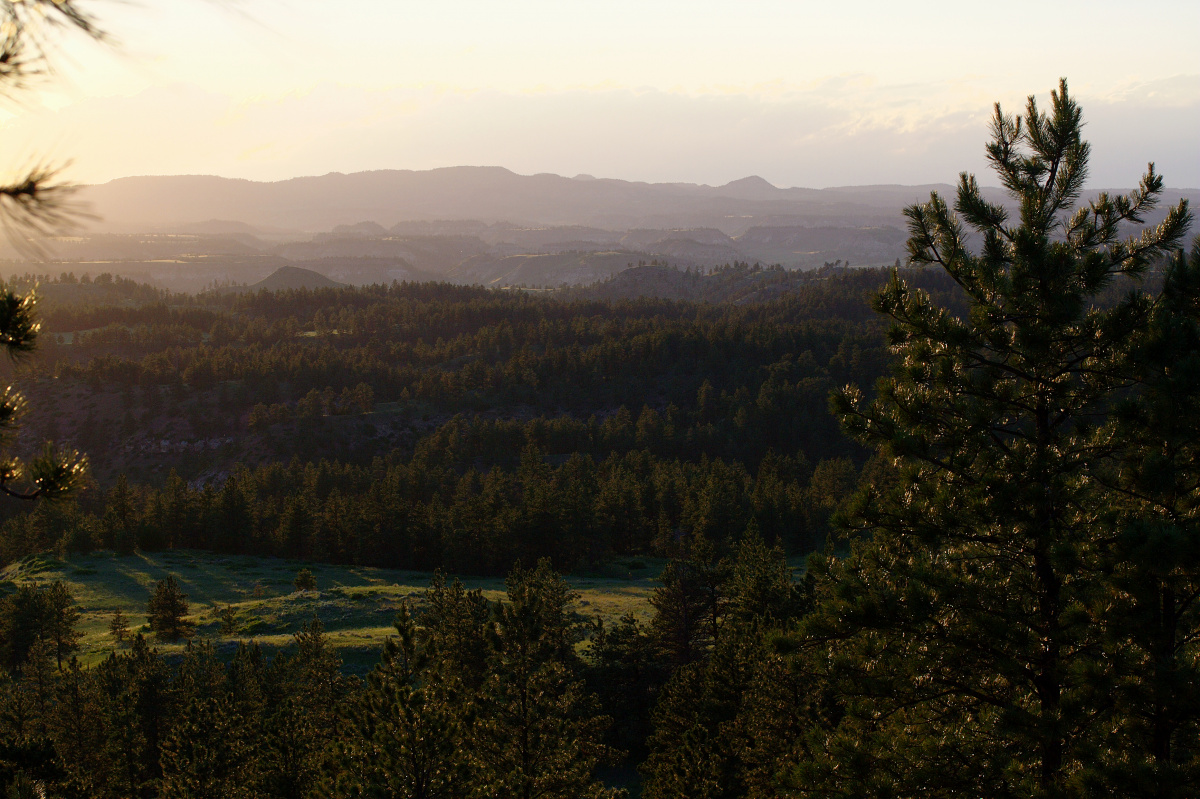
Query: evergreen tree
<point x="38" y="681"/>
<point x="118" y="524"/>
<point x="229" y="620"/>
<point x="702" y="743"/>
<point x="78" y="730"/>
<point x="61" y="617"/>
<point x="690" y="604"/>
<point x="966" y="641"/>
<point x="760" y="584"/>
<point x="1149" y="610"/>
<point x="457" y="625"/>
<point x="134" y="694"/>
<point x="539" y="732"/>
<point x="35" y="613"/>
<point x="305" y="696"/>
<point x="205" y="754"/>
<point x="118" y="626"/>
<point x="626" y="675"/>
<point x="407" y="737"/>
<point x="305" y="581"/>
<point x="246" y="687"/>
<point x="695" y="747"/>
<point x="34" y="205"/>
<point x="167" y="610"/>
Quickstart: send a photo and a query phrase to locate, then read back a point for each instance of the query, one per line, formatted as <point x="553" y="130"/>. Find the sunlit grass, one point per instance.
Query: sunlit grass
<point x="355" y="604"/>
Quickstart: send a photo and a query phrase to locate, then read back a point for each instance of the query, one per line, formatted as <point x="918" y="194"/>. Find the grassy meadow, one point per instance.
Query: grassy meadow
<point x="356" y="604"/>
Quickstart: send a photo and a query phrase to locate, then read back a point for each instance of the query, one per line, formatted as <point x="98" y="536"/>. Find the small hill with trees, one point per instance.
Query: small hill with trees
<point x="287" y="278"/>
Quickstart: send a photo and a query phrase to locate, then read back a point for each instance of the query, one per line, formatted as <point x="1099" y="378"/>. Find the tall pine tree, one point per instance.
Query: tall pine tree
<point x="539" y="732"/>
<point x="406" y="736"/>
<point x="967" y="640"/>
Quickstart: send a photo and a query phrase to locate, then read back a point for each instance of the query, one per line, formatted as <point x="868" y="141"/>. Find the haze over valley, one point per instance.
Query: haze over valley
<point x="471" y="225"/>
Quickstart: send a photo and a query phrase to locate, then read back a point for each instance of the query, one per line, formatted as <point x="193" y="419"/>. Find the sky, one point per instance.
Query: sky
<point x="800" y="93"/>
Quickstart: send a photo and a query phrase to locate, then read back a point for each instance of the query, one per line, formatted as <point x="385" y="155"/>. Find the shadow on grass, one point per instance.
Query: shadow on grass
<point x="356" y="604"/>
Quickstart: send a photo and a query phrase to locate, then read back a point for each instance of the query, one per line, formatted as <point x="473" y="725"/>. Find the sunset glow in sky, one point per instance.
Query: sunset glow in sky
<point x="802" y="94"/>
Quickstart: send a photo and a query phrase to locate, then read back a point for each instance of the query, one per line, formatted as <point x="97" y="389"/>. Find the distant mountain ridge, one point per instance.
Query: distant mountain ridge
<point x="363" y="202"/>
<point x="483" y="225"/>
<point x="490" y="194"/>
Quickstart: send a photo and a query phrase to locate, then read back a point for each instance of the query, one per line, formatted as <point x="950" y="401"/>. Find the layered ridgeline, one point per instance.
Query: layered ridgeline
<point x="471" y="225"/>
<point x="424" y="201"/>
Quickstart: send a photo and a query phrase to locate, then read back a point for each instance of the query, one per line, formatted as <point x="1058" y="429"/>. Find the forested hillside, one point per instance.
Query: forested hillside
<point x="423" y="426"/>
<point x="427" y="425"/>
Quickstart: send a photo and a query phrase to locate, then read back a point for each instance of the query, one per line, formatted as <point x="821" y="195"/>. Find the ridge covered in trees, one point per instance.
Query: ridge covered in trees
<point x="425" y="426"/>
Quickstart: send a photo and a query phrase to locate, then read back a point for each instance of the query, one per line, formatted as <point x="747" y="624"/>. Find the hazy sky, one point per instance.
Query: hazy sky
<point x="800" y="93"/>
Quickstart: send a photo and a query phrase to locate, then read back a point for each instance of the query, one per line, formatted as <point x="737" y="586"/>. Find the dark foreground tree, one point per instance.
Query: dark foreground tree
<point x="33" y="614"/>
<point x="408" y="727"/>
<point x="975" y="633"/>
<point x="1152" y="604"/>
<point x="690" y="605"/>
<point x="706" y="715"/>
<point x="208" y="752"/>
<point x="474" y="704"/>
<point x="539" y="733"/>
<point x="32" y="206"/>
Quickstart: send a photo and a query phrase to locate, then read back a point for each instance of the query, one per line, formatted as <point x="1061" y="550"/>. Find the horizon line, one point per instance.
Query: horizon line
<point x="583" y="177"/>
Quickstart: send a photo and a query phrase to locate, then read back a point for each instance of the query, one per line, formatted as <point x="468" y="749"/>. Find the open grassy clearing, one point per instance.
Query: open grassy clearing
<point x="356" y="604"/>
